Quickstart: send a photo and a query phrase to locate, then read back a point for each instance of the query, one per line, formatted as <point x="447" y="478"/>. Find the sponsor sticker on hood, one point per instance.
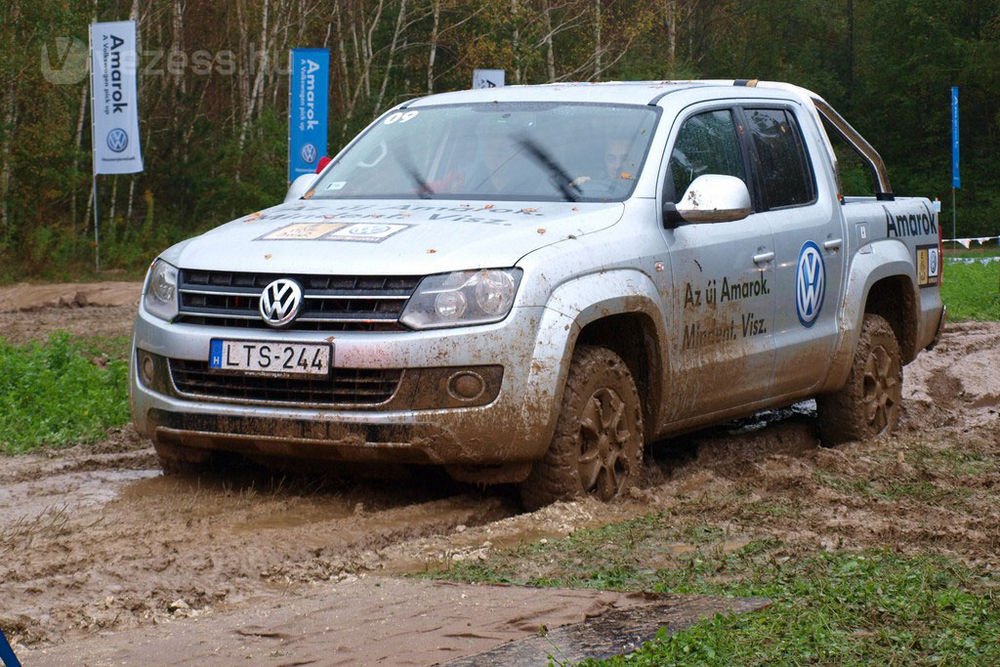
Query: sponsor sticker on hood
<point x="364" y="232"/>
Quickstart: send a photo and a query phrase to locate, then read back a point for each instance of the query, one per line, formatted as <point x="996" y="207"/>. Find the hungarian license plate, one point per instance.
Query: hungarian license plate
<point x="270" y="358"/>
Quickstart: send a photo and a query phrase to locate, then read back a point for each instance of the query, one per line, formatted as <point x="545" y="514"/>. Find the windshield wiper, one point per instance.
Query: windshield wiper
<point x="559" y="177"/>
<point x="424" y="190"/>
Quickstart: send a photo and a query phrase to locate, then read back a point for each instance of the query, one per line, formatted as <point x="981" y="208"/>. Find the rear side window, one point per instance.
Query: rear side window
<point x="707" y="143"/>
<point x="785" y="172"/>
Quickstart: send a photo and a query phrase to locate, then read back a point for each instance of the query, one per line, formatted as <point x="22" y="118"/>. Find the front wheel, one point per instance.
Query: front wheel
<point x="870" y="403"/>
<point x="598" y="442"/>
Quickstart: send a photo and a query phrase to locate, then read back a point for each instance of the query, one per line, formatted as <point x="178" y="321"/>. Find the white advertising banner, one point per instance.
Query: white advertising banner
<point x="113" y="101"/>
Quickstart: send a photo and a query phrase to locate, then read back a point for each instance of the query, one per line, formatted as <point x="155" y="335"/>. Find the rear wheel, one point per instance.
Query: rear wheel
<point x="598" y="442"/>
<point x="870" y="403"/>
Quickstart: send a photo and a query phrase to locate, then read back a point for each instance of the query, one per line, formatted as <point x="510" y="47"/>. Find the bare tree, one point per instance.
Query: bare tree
<point x="557" y="19"/>
<point x="400" y="17"/>
<point x="598" y="46"/>
<point x="8" y="114"/>
<point x="254" y="99"/>
<point x="547" y="41"/>
<point x="432" y="55"/>
<point x="364" y="53"/>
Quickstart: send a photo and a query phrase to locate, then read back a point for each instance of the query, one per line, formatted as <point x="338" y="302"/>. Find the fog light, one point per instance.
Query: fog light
<point x="147" y="369"/>
<point x="466" y="386"/>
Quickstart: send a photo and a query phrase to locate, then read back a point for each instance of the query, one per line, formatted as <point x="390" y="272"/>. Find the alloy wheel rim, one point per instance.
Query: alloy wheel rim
<point x="882" y="389"/>
<point x="604" y="436"/>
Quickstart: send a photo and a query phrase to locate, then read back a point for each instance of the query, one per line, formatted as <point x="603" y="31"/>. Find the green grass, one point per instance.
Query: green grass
<point x="891" y="489"/>
<point x="837" y="608"/>
<point x="960" y="462"/>
<point x="972" y="291"/>
<point x="61" y="393"/>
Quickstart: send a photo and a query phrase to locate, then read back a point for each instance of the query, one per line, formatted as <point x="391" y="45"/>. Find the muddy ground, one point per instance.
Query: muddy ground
<point x="100" y="553"/>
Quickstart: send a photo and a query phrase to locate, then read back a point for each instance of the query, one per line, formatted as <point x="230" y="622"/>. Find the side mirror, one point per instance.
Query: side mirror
<point x="299" y="187"/>
<point x="713" y="198"/>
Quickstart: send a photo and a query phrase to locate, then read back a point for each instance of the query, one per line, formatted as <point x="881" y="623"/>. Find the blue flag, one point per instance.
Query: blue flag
<point x="956" y="179"/>
<point x="308" y="107"/>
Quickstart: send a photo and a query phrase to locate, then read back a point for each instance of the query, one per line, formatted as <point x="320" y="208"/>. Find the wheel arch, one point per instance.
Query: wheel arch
<point x="881" y="282"/>
<point x="893" y="298"/>
<point x="619" y="310"/>
<point x="633" y="337"/>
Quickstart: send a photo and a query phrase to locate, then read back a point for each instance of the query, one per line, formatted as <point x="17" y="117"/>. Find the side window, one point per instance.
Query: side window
<point x="785" y="171"/>
<point x="707" y="143"/>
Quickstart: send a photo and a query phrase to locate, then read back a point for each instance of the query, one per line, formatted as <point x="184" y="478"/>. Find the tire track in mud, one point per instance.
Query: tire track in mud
<point x="97" y="542"/>
<point x="95" y="537"/>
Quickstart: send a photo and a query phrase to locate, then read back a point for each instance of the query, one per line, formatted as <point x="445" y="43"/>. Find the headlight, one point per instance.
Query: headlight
<point x="462" y="298"/>
<point x="159" y="296"/>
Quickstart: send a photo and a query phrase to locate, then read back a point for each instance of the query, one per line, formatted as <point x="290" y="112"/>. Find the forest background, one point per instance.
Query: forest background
<point x="213" y="94"/>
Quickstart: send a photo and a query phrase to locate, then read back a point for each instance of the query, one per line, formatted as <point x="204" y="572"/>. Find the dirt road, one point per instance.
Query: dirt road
<point x="95" y="539"/>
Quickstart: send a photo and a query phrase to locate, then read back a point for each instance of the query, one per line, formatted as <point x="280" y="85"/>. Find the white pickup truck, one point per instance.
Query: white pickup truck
<point x="528" y="284"/>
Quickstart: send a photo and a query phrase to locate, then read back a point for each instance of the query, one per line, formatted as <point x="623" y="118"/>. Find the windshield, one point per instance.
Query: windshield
<point x="528" y="151"/>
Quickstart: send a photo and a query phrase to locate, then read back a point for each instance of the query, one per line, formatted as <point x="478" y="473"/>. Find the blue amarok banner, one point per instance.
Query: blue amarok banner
<point x="956" y="179"/>
<point x="308" y="106"/>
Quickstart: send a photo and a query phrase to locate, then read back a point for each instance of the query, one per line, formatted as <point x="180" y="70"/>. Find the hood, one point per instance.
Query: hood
<point x="417" y="237"/>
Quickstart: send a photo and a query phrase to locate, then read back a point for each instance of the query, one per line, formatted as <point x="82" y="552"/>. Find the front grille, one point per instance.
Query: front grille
<point x="330" y="303"/>
<point x="347" y="386"/>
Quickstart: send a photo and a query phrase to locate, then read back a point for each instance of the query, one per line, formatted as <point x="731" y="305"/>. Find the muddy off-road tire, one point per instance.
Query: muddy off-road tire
<point x="598" y="442"/>
<point x="870" y="403"/>
<point x="182" y="461"/>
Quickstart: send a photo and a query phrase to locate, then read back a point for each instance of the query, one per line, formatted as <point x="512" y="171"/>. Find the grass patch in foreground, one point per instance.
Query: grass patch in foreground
<point x="59" y="393"/>
<point x="829" y="608"/>
<point x="870" y="608"/>
<point x="972" y="291"/>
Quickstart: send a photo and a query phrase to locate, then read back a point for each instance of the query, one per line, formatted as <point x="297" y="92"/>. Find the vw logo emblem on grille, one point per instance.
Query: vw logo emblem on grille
<point x="280" y="302"/>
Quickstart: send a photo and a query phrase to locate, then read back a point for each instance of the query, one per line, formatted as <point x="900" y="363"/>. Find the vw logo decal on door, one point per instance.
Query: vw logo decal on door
<point x="810" y="283"/>
<point x="280" y="302"/>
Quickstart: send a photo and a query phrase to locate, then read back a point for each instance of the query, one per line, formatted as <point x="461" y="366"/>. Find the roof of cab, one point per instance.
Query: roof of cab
<point x="621" y="92"/>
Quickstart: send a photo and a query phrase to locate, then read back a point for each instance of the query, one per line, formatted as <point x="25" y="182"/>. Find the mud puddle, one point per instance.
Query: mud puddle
<point x="27" y="501"/>
<point x="82" y="551"/>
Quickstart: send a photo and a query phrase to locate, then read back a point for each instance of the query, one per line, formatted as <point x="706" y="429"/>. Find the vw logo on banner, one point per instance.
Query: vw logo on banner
<point x="810" y="283"/>
<point x="117" y="140"/>
<point x="308" y="153"/>
<point x="280" y="302"/>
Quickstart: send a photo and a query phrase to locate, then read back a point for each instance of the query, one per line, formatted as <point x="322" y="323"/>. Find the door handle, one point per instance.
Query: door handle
<point x="832" y="244"/>
<point x="763" y="257"/>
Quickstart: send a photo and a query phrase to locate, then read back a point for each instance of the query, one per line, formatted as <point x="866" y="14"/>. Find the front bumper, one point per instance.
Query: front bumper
<point x="420" y="421"/>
